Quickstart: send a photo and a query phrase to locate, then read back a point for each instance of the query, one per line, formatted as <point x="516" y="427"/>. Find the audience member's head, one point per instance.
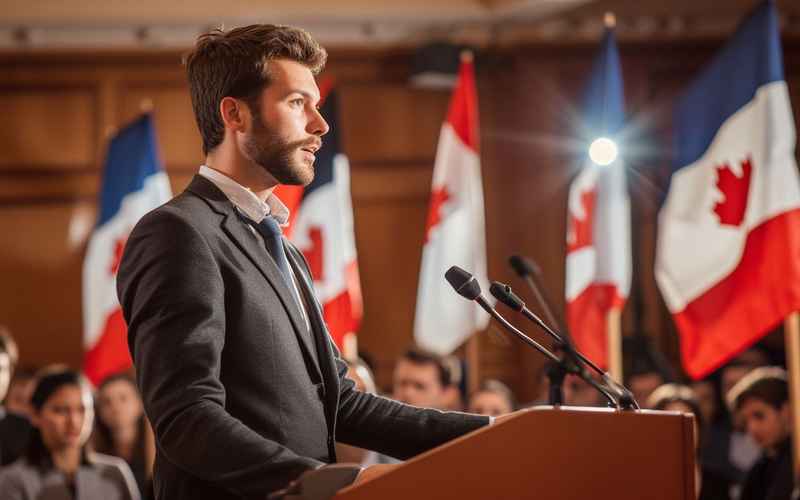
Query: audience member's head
<point x="120" y="412"/>
<point x="680" y="398"/>
<point x="578" y="393"/>
<point x="9" y="355"/>
<point x="494" y="398"/>
<point x="708" y="399"/>
<point x="645" y="367"/>
<point x="20" y="391"/>
<point x="421" y="378"/>
<point x="62" y="415"/>
<point x="761" y="400"/>
<point x="740" y="366"/>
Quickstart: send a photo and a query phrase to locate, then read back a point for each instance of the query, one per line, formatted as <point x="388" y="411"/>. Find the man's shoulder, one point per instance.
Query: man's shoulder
<point x="187" y="208"/>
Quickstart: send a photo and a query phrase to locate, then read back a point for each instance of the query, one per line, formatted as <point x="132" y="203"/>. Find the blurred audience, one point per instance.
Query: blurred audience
<point x="14" y="428"/>
<point x="422" y="378"/>
<point x="57" y="464"/>
<point x="709" y="483"/>
<point x="494" y="398"/>
<point x="761" y="400"/>
<point x="122" y="430"/>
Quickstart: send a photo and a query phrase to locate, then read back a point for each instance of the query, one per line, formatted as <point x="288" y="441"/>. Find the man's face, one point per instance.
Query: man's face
<point x="417" y="384"/>
<point x="765" y="423"/>
<point x="287" y="128"/>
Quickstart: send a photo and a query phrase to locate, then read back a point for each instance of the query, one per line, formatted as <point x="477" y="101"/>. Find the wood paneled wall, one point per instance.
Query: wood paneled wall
<point x="60" y="107"/>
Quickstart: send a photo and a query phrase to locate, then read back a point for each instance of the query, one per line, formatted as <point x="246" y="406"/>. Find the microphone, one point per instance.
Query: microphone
<point x="531" y="273"/>
<point x="504" y="294"/>
<point x="463" y="283"/>
<point x="468" y="287"/>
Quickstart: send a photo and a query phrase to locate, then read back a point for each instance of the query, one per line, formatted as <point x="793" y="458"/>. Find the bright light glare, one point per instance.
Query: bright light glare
<point x="603" y="151"/>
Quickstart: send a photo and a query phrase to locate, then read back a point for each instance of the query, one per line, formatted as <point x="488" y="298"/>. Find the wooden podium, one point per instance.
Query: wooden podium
<point x="552" y="453"/>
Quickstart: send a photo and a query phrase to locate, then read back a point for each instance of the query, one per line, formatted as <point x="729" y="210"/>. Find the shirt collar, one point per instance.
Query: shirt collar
<point x="245" y="200"/>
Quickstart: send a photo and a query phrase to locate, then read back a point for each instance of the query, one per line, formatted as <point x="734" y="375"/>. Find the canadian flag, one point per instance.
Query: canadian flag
<point x="454" y="233"/>
<point x="598" y="267"/>
<point x="133" y="184"/>
<point x="728" y="251"/>
<point x="322" y="228"/>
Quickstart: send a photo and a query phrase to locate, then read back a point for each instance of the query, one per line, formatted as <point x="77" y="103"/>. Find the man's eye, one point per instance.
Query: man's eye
<point x="297" y="102"/>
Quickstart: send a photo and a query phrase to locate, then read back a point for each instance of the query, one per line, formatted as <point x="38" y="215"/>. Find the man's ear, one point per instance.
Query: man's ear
<point x="235" y="114"/>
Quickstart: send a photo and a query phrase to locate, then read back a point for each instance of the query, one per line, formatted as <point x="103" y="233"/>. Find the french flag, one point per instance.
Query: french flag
<point x="133" y="184"/>
<point x="728" y="251"/>
<point x="598" y="263"/>
<point x="454" y="233"/>
<point x="322" y="229"/>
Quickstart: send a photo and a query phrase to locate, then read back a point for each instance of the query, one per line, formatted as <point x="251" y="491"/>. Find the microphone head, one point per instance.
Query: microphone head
<point x="503" y="293"/>
<point x="523" y="266"/>
<point x="463" y="283"/>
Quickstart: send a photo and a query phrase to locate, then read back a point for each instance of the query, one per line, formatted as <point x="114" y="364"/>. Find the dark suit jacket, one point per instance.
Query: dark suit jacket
<point x="14" y="433"/>
<point x="241" y="396"/>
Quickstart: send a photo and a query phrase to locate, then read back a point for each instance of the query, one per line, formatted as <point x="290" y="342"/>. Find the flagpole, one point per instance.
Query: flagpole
<point x="792" y="341"/>
<point x="614" y="329"/>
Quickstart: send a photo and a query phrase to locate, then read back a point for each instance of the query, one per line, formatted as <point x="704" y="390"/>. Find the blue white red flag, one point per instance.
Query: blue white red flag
<point x="728" y="252"/>
<point x="134" y="183"/>
<point x="598" y="267"/>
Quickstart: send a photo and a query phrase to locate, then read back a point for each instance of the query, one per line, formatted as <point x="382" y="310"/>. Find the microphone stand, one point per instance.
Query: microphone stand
<point x="625" y="399"/>
<point x="562" y="366"/>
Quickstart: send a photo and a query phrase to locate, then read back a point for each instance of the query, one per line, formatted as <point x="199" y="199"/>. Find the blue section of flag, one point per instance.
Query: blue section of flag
<point x="603" y="100"/>
<point x="323" y="165"/>
<point x="132" y="157"/>
<point x="751" y="59"/>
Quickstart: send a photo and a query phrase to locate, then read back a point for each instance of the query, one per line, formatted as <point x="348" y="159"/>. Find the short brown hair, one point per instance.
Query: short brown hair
<point x="420" y="356"/>
<point x="235" y="63"/>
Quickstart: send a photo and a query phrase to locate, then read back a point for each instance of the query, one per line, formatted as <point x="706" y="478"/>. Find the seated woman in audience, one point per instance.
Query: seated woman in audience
<point x="709" y="484"/>
<point x="494" y="398"/>
<point x="56" y="464"/>
<point x="122" y="430"/>
<point x="761" y="400"/>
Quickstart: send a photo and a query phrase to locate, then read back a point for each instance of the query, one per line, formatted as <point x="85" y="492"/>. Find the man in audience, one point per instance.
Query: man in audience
<point x="422" y="378"/>
<point x="14" y="428"/>
<point x="761" y="400"/>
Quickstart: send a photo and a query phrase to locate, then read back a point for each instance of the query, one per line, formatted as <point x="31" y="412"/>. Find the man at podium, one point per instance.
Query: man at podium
<point x="239" y="377"/>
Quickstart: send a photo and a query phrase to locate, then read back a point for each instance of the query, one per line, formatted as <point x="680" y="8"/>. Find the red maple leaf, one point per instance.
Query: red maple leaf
<point x="439" y="197"/>
<point x="734" y="189"/>
<point x="314" y="254"/>
<point x="119" y="247"/>
<point x="581" y="228"/>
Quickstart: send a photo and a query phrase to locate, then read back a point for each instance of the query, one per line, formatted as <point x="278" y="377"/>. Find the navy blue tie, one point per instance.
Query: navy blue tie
<point x="273" y="240"/>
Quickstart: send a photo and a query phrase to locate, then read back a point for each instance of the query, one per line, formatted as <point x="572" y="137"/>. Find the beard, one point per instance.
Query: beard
<point x="277" y="156"/>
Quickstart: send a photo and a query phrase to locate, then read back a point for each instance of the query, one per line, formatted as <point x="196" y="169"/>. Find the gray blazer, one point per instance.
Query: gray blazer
<point x="104" y="477"/>
<point x="242" y="397"/>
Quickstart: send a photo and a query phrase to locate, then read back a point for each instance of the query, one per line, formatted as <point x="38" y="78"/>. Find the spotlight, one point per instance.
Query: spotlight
<point x="603" y="151"/>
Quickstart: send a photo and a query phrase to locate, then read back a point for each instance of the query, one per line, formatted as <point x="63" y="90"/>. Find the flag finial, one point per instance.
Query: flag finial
<point x="466" y="56"/>
<point x="610" y="20"/>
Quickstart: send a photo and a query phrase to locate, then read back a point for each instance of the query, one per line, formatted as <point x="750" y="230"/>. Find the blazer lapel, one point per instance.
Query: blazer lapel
<point x="318" y="327"/>
<point x="238" y="231"/>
